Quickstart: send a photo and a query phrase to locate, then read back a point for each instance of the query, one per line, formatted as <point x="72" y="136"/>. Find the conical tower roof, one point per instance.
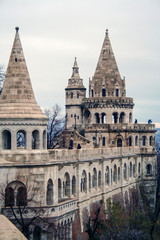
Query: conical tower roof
<point x="75" y="81"/>
<point x="17" y="99"/>
<point x="107" y="74"/>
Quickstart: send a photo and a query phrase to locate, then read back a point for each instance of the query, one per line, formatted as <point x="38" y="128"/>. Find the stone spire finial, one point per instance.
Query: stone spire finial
<point x="75" y="73"/>
<point x="17" y="29"/>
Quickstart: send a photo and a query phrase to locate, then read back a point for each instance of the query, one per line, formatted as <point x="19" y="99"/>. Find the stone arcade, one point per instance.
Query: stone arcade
<point x="107" y="154"/>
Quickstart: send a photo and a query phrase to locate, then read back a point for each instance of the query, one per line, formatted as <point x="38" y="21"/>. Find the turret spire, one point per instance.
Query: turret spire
<point x="75" y="73"/>
<point x="17" y="99"/>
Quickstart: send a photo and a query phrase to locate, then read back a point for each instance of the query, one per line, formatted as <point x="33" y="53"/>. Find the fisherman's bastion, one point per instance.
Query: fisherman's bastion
<point x="107" y="153"/>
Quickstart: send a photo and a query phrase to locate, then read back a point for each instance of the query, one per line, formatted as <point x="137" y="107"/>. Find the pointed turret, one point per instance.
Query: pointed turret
<point x="75" y="80"/>
<point x="107" y="80"/>
<point x="17" y="99"/>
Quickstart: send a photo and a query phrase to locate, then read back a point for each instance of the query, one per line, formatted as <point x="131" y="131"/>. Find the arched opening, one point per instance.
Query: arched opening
<point x="150" y="141"/>
<point x="71" y="144"/>
<point x="134" y="171"/>
<point x="97" y="118"/>
<point x="59" y="189"/>
<point x="84" y="182"/>
<point x="103" y="117"/>
<point x="115" y="174"/>
<point x="92" y="93"/>
<point x="103" y="141"/>
<point x="130" y="118"/>
<point x="144" y="140"/>
<point x="94" y="178"/>
<point x="37" y="233"/>
<point x="67" y="95"/>
<point x="49" y="195"/>
<point x="103" y="92"/>
<point x="9" y="197"/>
<point x="139" y="168"/>
<point x="35" y="139"/>
<point x="122" y="117"/>
<point x="130" y="170"/>
<point x="67" y="184"/>
<point x="99" y="179"/>
<point x="21" y="139"/>
<point x="89" y="177"/>
<point x="77" y="94"/>
<point x="6" y="139"/>
<point x="117" y="92"/>
<point x="71" y="94"/>
<point x="119" y="142"/>
<point x="44" y="139"/>
<point x="125" y="171"/>
<point x="107" y="176"/>
<point x="21" y="196"/>
<point x="115" y="117"/>
<point x="119" y="173"/>
<point x="130" y="141"/>
<point x="136" y="140"/>
<point x="74" y="186"/>
<point x="149" y="169"/>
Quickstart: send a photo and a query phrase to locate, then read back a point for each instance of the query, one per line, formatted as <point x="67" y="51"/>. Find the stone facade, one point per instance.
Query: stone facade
<point x="108" y="153"/>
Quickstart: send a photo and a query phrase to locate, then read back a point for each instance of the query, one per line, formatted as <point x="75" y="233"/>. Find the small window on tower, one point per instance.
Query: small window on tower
<point x="15" y="59"/>
<point x="71" y="115"/>
<point x="117" y="92"/>
<point x="77" y="95"/>
<point x="103" y="92"/>
<point x="71" y="94"/>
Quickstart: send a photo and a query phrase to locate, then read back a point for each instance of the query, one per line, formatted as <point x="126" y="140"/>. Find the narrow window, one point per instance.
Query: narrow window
<point x="103" y="92"/>
<point x="103" y="141"/>
<point x="15" y="59"/>
<point x="71" y="94"/>
<point x="117" y="92"/>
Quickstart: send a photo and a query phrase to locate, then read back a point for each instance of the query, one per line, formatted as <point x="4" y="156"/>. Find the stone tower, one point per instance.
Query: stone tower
<point x="107" y="102"/>
<point x="74" y="92"/>
<point x="23" y="124"/>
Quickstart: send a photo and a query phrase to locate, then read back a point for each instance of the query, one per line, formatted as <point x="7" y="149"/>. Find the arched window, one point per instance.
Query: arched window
<point x="130" y="118"/>
<point x="134" y="171"/>
<point x="77" y="94"/>
<point x="59" y="189"/>
<point x="125" y="171"/>
<point x="92" y="92"/>
<point x="119" y="174"/>
<point x="115" y="174"/>
<point x="37" y="233"/>
<point x="103" y="141"/>
<point x="149" y="169"/>
<point x="9" y="197"/>
<point x="67" y="95"/>
<point x="6" y="139"/>
<point x="35" y="139"/>
<point x="130" y="141"/>
<point x="89" y="177"/>
<point x="94" y="178"/>
<point x="144" y="140"/>
<point x="139" y="168"/>
<point x="21" y="139"/>
<point x="150" y="141"/>
<point x="103" y="92"/>
<point x="99" y="179"/>
<point x="84" y="182"/>
<point x="22" y="196"/>
<point x="119" y="142"/>
<point x="49" y="199"/>
<point x="71" y="94"/>
<point x="107" y="176"/>
<point x="130" y="170"/>
<point x="74" y="186"/>
<point x="122" y="117"/>
<point x="97" y="118"/>
<point x="44" y="139"/>
<point x="103" y="117"/>
<point x="117" y="92"/>
<point x="66" y="185"/>
<point x="136" y="140"/>
<point x="115" y="117"/>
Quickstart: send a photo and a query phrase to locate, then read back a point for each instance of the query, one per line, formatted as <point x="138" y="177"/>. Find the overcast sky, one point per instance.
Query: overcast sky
<point x="53" y="32"/>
